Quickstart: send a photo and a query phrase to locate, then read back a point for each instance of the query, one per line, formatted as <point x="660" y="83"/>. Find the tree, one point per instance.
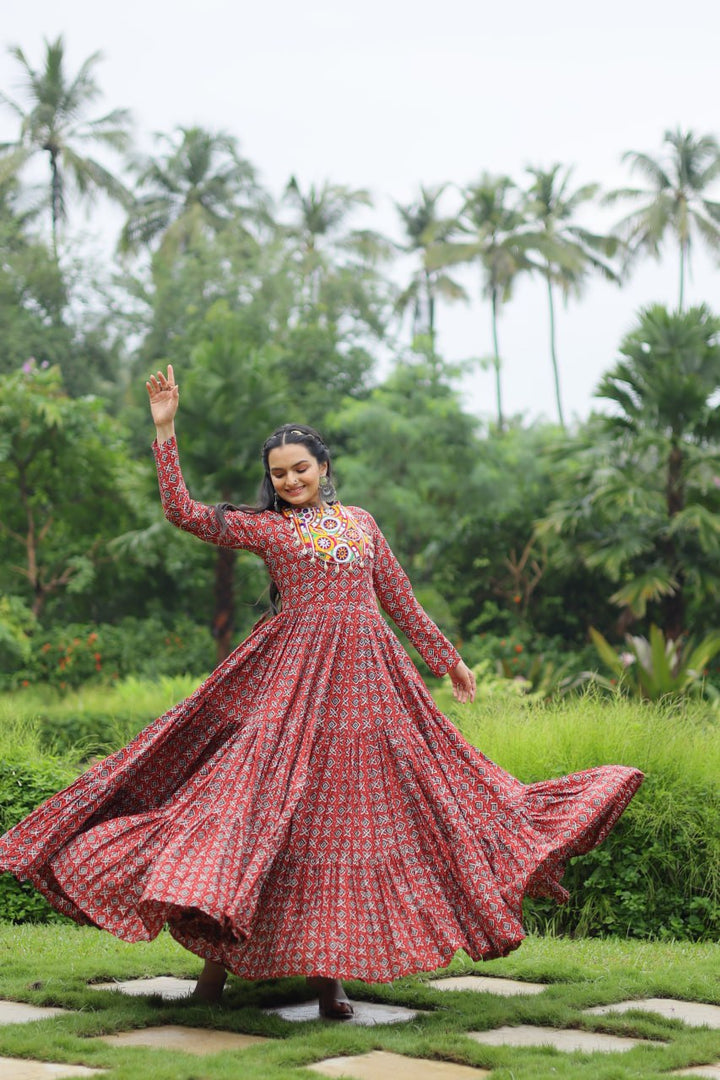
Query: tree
<point x="33" y="294"/>
<point x="232" y="400"/>
<point x="676" y="200"/>
<point x="54" y="124"/>
<point x="493" y="223"/>
<point x="325" y="250"/>
<point x="645" y="505"/>
<point x="198" y="186"/>
<point x="62" y="465"/>
<point x="424" y="228"/>
<point x="567" y="252"/>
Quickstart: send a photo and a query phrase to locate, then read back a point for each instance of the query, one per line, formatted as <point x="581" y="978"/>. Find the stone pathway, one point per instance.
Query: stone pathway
<point x="693" y="1013"/>
<point x="379" y="1065"/>
<point x="568" y="1039"/>
<point x="23" y="1069"/>
<point x="188" y="1039"/>
<point x="19" y="1012"/>
<point x="483" y="984"/>
<point x="367" y="1013"/>
<point x="166" y="986"/>
<point x="712" y="1072"/>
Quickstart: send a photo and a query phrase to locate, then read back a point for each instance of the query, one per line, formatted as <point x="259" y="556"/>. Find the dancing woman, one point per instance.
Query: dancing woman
<point x="308" y="809"/>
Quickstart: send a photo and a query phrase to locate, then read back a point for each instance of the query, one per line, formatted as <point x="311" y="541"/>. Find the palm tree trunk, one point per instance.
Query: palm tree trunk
<point x="683" y="256"/>
<point x="553" y="354"/>
<point x="55" y="196"/>
<point x="430" y="299"/>
<point x="674" y="605"/>
<point x="496" y="362"/>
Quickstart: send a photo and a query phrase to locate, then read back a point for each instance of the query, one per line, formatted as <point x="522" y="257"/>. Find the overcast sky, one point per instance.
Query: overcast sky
<point x="388" y="94"/>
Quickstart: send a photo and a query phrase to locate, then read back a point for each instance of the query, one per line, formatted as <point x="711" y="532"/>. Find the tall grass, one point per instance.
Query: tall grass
<point x="659" y="872"/>
<point x="93" y="719"/>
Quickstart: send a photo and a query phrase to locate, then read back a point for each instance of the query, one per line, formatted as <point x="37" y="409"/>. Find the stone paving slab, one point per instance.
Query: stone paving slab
<point x="367" y="1013"/>
<point x="712" y="1072"/>
<point x="588" y="1042"/>
<point x="166" y="986"/>
<point x="19" y="1012"/>
<point x="693" y="1013"/>
<point x="189" y="1039"/>
<point x="379" y="1065"/>
<point x="485" y="984"/>
<point x="25" y="1069"/>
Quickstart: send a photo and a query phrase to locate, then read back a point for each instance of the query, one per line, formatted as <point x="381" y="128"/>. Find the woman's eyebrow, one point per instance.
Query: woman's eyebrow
<point x="281" y="468"/>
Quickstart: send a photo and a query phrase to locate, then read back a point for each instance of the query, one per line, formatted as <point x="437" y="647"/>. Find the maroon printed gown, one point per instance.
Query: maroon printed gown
<point x="308" y="809"/>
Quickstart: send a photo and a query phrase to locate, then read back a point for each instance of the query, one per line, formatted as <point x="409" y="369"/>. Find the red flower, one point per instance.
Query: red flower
<point x="518" y="648"/>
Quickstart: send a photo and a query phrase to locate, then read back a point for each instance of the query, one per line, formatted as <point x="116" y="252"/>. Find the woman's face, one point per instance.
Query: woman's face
<point x="295" y="474"/>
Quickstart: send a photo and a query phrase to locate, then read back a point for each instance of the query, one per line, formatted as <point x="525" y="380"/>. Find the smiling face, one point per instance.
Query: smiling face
<point x="295" y="475"/>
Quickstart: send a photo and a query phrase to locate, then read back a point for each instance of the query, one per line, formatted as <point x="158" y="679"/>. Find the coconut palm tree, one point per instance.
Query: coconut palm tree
<point x="54" y="123"/>
<point x="675" y="200"/>
<point x="492" y="223"/>
<point x="195" y="188"/>
<point x="643" y="506"/>
<point x="424" y="228"/>
<point x="563" y="251"/>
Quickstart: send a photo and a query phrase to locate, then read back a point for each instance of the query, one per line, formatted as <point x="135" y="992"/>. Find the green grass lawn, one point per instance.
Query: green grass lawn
<point x="51" y="965"/>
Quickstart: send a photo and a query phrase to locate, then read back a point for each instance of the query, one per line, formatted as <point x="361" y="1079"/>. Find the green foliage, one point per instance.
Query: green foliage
<point x="72" y="655"/>
<point x="61" y="466"/>
<point x="658" y="667"/>
<point x="29" y="774"/>
<point x="17" y="624"/>
<point x="658" y="874"/>
<point x="95" y="718"/>
<point x="641" y="504"/>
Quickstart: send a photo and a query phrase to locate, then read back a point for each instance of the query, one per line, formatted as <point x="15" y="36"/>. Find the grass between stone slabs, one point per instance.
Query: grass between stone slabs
<point x="52" y="965"/>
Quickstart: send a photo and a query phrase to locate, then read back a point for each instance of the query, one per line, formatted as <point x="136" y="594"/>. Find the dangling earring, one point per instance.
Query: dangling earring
<point x="275" y="501"/>
<point x="327" y="489"/>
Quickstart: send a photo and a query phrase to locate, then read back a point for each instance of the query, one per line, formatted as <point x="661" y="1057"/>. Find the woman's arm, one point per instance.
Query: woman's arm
<point x="242" y="530"/>
<point x="396" y="596"/>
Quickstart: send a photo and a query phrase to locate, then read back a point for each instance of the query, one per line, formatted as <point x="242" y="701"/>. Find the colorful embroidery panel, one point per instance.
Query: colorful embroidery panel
<point x="331" y="534"/>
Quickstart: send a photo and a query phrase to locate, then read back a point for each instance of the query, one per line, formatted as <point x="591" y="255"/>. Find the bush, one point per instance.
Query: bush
<point x="658" y="873"/>
<point x="72" y="655"/>
<point x="28" y="776"/>
<point x="95" y="719"/>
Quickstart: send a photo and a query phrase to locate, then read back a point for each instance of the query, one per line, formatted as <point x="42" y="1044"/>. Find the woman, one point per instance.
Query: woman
<point x="308" y="809"/>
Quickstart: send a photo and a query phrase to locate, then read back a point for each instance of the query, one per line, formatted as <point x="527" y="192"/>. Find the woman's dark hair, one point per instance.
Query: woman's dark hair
<point x="267" y="498"/>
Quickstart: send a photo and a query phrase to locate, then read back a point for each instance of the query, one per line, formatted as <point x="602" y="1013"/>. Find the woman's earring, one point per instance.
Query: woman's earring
<point x="275" y="501"/>
<point x="327" y="489"/>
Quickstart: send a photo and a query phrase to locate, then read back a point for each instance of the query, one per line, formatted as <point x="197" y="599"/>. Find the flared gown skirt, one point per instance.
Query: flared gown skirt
<point x="308" y="810"/>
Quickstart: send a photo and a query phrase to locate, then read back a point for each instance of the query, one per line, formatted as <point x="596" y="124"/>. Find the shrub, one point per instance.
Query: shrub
<point x="95" y="719"/>
<point x="28" y="776"/>
<point x="72" y="655"/>
<point x="658" y="873"/>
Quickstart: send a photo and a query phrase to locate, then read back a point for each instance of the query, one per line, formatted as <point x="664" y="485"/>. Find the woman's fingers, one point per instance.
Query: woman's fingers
<point x="463" y="683"/>
<point x="160" y="383"/>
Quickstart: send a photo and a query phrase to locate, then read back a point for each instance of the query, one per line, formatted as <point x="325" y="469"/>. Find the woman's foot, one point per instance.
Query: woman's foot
<point x="209" y="986"/>
<point x="333" y="1000"/>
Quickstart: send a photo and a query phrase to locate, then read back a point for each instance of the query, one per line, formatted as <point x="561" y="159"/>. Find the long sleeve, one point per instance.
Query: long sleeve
<point x="243" y="530"/>
<point x="394" y="591"/>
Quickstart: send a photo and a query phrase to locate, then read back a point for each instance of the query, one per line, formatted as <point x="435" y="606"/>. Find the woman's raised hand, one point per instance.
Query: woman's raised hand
<point x="163" y="393"/>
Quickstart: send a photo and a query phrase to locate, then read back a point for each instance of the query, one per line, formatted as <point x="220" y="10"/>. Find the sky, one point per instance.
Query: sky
<point x="391" y="94"/>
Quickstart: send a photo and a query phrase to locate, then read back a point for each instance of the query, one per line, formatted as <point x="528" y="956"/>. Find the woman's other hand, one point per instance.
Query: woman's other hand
<point x="463" y="683"/>
<point x="163" y="393"/>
